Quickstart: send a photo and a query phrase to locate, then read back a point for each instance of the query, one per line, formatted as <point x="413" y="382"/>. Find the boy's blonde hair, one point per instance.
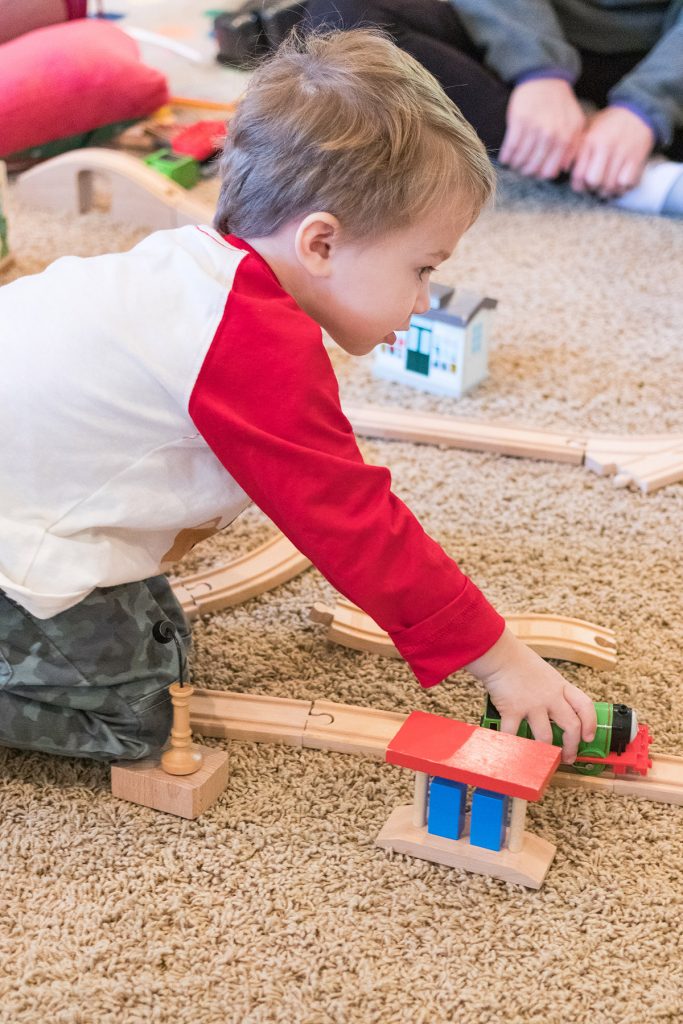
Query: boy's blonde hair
<point x="348" y="123"/>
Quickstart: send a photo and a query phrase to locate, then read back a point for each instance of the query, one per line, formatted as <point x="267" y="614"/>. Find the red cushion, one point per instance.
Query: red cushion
<point x="66" y="79"/>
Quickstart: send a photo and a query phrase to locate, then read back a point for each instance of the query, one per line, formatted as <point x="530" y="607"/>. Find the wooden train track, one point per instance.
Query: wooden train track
<point x="551" y="636"/>
<point x="647" y="462"/>
<point x="349" y="729"/>
<point x="277" y="561"/>
<point x="273" y="563"/>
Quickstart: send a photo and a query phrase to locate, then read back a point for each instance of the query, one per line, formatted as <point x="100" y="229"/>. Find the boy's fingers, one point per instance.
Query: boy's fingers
<point x="539" y="724"/>
<point x="570" y="724"/>
<point x="510" y="723"/>
<point x="584" y="708"/>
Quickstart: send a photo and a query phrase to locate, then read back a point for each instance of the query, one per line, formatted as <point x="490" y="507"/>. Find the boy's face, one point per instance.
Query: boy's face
<point x="374" y="287"/>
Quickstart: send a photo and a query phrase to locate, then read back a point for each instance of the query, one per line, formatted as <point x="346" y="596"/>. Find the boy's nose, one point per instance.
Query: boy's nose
<point x="422" y="300"/>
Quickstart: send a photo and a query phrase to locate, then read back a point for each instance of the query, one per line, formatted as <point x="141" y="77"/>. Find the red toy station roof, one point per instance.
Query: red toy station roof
<point x="479" y="757"/>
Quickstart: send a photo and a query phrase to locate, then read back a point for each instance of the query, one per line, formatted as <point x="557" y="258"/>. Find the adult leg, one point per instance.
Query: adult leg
<point x="92" y="681"/>
<point x="430" y="31"/>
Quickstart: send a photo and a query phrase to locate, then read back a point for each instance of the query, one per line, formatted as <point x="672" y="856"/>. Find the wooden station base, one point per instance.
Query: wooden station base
<point x="528" y="867"/>
<point x="188" y="796"/>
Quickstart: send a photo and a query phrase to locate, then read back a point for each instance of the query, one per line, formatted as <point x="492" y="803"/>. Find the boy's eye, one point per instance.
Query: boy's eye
<point x="425" y="270"/>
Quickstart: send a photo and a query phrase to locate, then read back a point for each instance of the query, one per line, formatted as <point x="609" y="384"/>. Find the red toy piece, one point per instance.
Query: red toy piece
<point x="201" y="140"/>
<point x="468" y="753"/>
<point x="635" y="758"/>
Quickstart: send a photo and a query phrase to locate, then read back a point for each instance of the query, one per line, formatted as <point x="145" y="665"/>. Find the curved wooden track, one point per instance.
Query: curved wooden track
<point x="551" y="636"/>
<point x="349" y="729"/>
<point x="259" y="570"/>
<point x="648" y="462"/>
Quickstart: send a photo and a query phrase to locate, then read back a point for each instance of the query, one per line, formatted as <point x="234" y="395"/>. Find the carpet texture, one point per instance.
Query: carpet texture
<point x="275" y="906"/>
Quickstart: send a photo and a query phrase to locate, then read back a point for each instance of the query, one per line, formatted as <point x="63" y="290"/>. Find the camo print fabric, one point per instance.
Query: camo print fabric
<point x="92" y="681"/>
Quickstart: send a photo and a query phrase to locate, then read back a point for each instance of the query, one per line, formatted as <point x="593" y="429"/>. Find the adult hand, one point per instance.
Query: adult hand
<point x="544" y="126"/>
<point x="613" y="153"/>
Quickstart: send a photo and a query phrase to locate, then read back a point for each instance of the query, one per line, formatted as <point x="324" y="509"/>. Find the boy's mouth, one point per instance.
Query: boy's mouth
<point x="389" y="339"/>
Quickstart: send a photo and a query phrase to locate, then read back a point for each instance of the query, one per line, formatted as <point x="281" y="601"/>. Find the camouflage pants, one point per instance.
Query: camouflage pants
<point x="92" y="681"/>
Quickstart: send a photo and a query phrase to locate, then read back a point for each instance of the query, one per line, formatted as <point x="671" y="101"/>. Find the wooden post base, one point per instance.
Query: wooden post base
<point x="188" y="796"/>
<point x="527" y="867"/>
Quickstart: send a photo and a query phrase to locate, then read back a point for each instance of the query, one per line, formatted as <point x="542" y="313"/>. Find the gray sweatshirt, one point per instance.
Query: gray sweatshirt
<point x="520" y="37"/>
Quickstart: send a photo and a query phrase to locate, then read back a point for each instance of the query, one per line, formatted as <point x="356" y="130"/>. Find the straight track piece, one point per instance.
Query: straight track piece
<point x="402" y="425"/>
<point x="260" y="719"/>
<point x="350" y="729"/>
<point x="250" y="717"/>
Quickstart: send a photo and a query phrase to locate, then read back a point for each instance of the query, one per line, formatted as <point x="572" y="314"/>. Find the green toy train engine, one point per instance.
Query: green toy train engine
<point x="617" y="728"/>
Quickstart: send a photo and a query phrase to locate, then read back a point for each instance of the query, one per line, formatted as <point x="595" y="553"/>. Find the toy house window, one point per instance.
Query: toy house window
<point x="419" y="344"/>
<point x="477" y="335"/>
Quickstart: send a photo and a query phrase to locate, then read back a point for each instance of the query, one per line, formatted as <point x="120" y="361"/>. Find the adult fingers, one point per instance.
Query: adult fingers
<point x="597" y="166"/>
<point x="555" y="162"/>
<point x="628" y="176"/>
<point x="571" y="151"/>
<point x="610" y="181"/>
<point x="542" y="150"/>
<point x="583" y="157"/>
<point x="513" y="134"/>
<point x="525" y="147"/>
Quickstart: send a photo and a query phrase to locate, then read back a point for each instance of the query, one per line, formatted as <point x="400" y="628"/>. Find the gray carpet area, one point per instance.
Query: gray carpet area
<point x="275" y="907"/>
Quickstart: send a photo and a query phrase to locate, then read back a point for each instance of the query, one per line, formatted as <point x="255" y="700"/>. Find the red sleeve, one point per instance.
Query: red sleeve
<point x="266" y="400"/>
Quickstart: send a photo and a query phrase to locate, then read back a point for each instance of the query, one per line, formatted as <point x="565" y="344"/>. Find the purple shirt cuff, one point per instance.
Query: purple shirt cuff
<point x="530" y="76"/>
<point x="639" y="113"/>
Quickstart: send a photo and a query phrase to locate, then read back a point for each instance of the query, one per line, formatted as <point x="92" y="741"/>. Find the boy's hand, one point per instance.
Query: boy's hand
<point x="544" y="126"/>
<point x="522" y="685"/>
<point x="613" y="153"/>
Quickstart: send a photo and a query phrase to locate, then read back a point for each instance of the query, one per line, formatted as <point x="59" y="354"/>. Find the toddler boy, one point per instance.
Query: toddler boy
<point x="152" y="394"/>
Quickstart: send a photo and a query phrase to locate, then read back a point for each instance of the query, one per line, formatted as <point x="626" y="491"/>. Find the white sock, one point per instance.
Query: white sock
<point x="660" y="190"/>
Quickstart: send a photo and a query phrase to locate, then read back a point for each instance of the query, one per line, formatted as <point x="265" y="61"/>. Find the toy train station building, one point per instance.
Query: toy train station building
<point x="445" y="351"/>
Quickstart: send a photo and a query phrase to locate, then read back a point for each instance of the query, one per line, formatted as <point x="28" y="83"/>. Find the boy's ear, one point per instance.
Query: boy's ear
<point x="316" y="239"/>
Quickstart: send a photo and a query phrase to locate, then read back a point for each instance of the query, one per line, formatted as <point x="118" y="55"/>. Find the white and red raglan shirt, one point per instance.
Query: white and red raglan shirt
<point x="150" y="394"/>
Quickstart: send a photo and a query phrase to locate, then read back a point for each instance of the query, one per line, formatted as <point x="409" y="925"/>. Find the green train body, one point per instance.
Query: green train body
<point x="617" y="727"/>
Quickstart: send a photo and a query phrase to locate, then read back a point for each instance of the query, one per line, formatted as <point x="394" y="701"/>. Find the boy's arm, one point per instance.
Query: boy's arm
<point x="266" y="401"/>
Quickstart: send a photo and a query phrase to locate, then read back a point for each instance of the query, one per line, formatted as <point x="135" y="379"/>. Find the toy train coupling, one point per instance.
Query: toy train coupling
<point x="620" y="741"/>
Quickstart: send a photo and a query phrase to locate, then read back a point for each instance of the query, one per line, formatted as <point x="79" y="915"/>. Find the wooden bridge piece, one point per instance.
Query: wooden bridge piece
<point x="551" y="636"/>
<point x="274" y="562"/>
<point x="138" y="194"/>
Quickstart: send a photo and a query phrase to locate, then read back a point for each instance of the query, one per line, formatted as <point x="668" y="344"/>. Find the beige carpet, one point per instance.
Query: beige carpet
<point x="276" y="906"/>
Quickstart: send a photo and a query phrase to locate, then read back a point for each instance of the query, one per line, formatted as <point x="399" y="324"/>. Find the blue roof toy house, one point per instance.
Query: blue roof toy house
<point x="445" y="351"/>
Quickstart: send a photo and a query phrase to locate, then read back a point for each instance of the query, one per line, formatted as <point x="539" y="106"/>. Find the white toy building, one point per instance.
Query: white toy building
<point x="445" y="351"/>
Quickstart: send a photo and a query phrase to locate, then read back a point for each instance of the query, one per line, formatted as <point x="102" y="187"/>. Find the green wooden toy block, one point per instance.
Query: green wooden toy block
<point x="181" y="169"/>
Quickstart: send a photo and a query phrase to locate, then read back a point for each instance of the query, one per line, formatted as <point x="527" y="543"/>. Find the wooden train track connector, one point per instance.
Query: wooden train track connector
<point x="551" y="636"/>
